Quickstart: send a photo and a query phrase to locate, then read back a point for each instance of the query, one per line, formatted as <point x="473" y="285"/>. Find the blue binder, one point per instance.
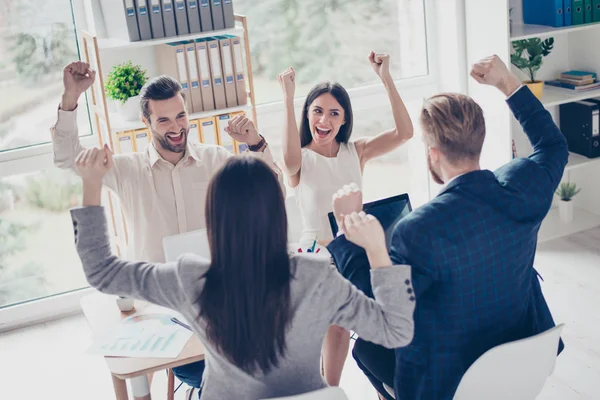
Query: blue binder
<point x="588" y="13"/>
<point x="568" y="12"/>
<point x="543" y="12"/>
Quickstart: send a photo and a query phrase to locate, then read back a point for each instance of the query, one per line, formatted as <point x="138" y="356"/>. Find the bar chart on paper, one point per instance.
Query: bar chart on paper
<point x="145" y="336"/>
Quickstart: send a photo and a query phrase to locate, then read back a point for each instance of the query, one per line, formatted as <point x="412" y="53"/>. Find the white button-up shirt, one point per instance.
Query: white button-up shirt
<point x="158" y="198"/>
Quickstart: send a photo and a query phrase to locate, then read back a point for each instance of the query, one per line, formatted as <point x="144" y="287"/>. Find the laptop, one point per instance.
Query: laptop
<point x="387" y="211"/>
<point x="195" y="242"/>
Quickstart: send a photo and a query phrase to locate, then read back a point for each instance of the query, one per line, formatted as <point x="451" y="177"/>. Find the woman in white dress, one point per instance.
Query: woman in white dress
<point x="319" y="159"/>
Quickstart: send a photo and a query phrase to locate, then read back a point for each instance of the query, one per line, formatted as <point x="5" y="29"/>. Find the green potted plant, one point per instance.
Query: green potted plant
<point x="566" y="192"/>
<point x="528" y="57"/>
<point x="123" y="85"/>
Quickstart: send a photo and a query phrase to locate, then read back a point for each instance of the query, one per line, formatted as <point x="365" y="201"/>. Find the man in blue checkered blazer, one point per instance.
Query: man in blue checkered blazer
<point x="471" y="248"/>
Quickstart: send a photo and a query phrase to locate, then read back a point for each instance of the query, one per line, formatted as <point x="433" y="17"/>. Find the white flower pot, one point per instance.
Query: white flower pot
<point x="130" y="111"/>
<point x="565" y="211"/>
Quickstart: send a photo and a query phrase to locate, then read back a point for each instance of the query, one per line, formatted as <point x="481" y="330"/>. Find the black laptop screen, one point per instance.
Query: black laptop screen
<point x="387" y="211"/>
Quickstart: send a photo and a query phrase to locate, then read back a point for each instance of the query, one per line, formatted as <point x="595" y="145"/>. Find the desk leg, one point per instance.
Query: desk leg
<point x="171" y="385"/>
<point x="120" y="387"/>
<point x="140" y="388"/>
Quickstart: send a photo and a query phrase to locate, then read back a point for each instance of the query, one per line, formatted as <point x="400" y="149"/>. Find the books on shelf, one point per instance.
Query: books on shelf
<point x="578" y="75"/>
<point x="561" y="84"/>
<point x="576" y="80"/>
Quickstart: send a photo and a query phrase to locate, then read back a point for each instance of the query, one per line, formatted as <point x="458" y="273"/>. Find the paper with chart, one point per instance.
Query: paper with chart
<point x="147" y="335"/>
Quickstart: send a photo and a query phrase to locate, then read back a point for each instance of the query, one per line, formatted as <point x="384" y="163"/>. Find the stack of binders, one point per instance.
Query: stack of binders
<point x="210" y="70"/>
<point x="133" y="140"/>
<point x="580" y="123"/>
<point x="559" y="13"/>
<point x="154" y="19"/>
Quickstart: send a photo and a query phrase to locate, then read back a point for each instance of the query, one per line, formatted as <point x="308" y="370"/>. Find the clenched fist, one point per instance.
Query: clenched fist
<point x="492" y="71"/>
<point x="365" y="231"/>
<point x="287" y="81"/>
<point x="380" y="64"/>
<point x="346" y="201"/>
<point x="77" y="78"/>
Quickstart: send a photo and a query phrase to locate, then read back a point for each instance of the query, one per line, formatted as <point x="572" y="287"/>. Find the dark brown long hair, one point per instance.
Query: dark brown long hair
<point x="246" y="297"/>
<point x="342" y="97"/>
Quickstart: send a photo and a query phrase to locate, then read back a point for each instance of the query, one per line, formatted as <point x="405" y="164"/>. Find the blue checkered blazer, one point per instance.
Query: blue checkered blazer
<point x="472" y="250"/>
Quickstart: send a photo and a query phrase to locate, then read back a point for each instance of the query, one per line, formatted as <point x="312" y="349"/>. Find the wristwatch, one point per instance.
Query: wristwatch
<point x="259" y="145"/>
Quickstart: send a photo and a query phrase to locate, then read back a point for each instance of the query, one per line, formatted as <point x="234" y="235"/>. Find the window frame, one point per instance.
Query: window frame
<point x="35" y="158"/>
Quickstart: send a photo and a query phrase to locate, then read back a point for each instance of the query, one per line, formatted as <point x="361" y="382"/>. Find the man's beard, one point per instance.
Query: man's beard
<point x="166" y="145"/>
<point x="436" y="178"/>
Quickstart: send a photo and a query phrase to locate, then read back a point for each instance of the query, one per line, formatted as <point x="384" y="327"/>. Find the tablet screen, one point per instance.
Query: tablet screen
<point x="387" y="211"/>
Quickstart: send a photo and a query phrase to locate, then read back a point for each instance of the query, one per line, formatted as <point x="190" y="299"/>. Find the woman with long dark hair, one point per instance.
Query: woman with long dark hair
<point x="260" y="313"/>
<point x="321" y="158"/>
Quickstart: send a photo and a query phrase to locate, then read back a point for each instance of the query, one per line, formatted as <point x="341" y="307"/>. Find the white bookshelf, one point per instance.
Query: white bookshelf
<point x="115" y="43"/>
<point x="579" y="161"/>
<point x="525" y="31"/>
<point x="554" y="96"/>
<point x="574" y="48"/>
<point x="104" y="53"/>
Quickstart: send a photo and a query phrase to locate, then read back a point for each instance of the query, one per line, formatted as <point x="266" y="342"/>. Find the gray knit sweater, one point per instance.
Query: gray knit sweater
<point x="320" y="297"/>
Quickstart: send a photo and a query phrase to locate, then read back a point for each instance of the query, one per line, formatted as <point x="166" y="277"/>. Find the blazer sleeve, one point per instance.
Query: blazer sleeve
<point x="550" y="151"/>
<point x="352" y="262"/>
<point x="413" y="248"/>
<point x="158" y="283"/>
<point x="386" y="320"/>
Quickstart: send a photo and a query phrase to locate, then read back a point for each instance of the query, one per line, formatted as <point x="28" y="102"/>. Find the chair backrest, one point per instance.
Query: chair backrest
<point x="515" y="370"/>
<point x="330" y="393"/>
<point x="294" y="217"/>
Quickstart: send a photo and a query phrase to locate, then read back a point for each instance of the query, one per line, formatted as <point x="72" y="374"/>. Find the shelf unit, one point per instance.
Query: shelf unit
<point x="577" y="161"/>
<point x="103" y="53"/>
<point x="553" y="97"/>
<point x="524" y="31"/>
<point x="114" y="44"/>
<point x="554" y="228"/>
<point x="573" y="49"/>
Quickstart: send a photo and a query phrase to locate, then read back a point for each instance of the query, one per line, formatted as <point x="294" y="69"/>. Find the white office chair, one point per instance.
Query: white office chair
<point x="330" y="393"/>
<point x="295" y="225"/>
<point x="516" y="370"/>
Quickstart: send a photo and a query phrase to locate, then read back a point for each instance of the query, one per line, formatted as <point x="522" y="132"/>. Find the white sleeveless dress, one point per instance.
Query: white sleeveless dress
<point x="320" y="178"/>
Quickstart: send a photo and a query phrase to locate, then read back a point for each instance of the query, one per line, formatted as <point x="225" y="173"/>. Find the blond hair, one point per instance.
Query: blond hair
<point x="454" y="124"/>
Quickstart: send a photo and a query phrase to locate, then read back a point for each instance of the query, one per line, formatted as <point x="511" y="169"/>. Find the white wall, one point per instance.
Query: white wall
<point x="487" y="32"/>
<point x="450" y="63"/>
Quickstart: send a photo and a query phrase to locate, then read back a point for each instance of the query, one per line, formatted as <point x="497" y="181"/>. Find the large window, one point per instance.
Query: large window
<point x="37" y="39"/>
<point x="37" y="255"/>
<point x="331" y="40"/>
